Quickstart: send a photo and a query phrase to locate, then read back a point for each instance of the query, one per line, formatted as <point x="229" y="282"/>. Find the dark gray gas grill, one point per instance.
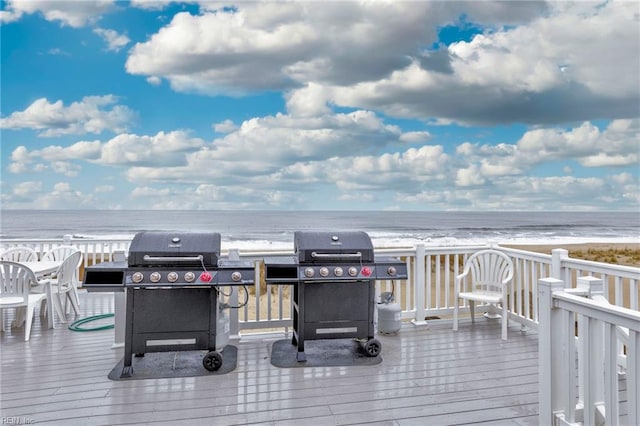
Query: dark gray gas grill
<point x="334" y="275"/>
<point x="171" y="282"/>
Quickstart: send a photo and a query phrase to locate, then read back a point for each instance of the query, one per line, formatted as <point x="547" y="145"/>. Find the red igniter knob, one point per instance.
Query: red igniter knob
<point x="206" y="277"/>
<point x="366" y="271"/>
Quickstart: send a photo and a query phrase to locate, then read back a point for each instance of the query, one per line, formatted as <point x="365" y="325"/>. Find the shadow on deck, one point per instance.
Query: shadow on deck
<point x="429" y="376"/>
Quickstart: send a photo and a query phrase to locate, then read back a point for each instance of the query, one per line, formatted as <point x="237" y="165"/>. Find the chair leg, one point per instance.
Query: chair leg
<point x="28" y="322"/>
<point x="19" y="318"/>
<point x="472" y="309"/>
<point x="75" y="300"/>
<point x="43" y="308"/>
<point x="505" y="321"/>
<point x="455" y="315"/>
<point x="57" y="304"/>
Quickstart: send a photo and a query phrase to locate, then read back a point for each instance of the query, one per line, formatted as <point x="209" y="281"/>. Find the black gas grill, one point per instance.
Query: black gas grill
<point x="171" y="282"/>
<point x="334" y="278"/>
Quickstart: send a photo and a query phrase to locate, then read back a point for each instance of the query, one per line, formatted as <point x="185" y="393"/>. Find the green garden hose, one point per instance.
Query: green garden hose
<point x="75" y="326"/>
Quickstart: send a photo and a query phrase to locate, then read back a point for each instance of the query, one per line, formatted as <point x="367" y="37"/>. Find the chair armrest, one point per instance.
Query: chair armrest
<point x="462" y="275"/>
<point x="40" y="286"/>
<point x="458" y="281"/>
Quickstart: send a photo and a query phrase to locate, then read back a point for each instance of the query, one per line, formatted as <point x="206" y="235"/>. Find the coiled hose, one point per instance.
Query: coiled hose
<point x="76" y="325"/>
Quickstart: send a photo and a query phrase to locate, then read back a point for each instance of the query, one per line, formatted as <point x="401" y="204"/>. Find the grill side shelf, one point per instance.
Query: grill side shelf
<point x="106" y="276"/>
<point x="281" y="269"/>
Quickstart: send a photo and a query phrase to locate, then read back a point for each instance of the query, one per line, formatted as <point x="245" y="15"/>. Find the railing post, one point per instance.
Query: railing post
<point x="557" y="256"/>
<point x="419" y="286"/>
<point x="591" y="353"/>
<point x="549" y="352"/>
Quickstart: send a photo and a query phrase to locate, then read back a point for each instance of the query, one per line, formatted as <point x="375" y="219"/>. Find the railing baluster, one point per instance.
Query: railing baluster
<point x="633" y="377"/>
<point x="610" y="375"/>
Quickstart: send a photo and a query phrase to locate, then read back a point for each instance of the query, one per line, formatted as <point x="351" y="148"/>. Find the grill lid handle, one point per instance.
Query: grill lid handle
<point x="173" y="258"/>
<point x="336" y="255"/>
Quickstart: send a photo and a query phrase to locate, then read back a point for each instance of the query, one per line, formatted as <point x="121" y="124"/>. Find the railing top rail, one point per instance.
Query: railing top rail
<point x="606" y="312"/>
<point x="527" y="255"/>
<point x="604" y="268"/>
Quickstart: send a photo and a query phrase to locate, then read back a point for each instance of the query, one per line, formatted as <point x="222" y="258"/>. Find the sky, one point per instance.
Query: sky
<point x="329" y="105"/>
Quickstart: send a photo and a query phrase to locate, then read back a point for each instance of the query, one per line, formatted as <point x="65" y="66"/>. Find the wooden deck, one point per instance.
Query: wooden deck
<point x="429" y="376"/>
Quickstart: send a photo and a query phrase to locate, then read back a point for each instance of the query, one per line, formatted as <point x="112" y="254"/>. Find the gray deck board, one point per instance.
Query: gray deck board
<point x="429" y="375"/>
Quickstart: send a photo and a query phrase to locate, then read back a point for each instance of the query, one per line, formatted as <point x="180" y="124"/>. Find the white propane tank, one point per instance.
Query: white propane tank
<point x="389" y="315"/>
<point x="222" y="327"/>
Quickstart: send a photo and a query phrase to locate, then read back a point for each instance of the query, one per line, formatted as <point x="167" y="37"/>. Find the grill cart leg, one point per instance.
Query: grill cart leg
<point x="127" y="369"/>
<point x="298" y="322"/>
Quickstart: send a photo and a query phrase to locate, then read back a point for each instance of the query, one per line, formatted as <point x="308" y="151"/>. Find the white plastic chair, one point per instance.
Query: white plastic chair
<point x="20" y="254"/>
<point x="62" y="287"/>
<point x="16" y="281"/>
<point x="491" y="277"/>
<point x="61" y="253"/>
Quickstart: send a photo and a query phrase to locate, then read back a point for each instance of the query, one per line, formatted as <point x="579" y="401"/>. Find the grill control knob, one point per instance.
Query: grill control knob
<point x="206" y="277"/>
<point x="352" y="271"/>
<point x="366" y="271"/>
<point x="391" y="270"/>
<point x="338" y="271"/>
<point x="172" y="277"/>
<point x="189" y="277"/>
<point x="309" y="272"/>
<point x="137" y="277"/>
<point x="154" y="277"/>
<point x="324" y="271"/>
<point x="236" y="276"/>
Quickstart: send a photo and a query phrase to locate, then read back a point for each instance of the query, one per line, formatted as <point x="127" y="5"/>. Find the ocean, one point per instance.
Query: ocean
<point x="274" y="229"/>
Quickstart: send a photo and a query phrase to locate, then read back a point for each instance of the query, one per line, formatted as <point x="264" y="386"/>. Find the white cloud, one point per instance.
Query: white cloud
<point x="617" y="145"/>
<point x="161" y="4"/>
<point x="294" y="43"/>
<point x="208" y="196"/>
<point x="59" y="195"/>
<point x="162" y="149"/>
<point x="226" y="126"/>
<point x="415" y="137"/>
<point x="308" y="101"/>
<point x="154" y="81"/>
<point x="524" y="68"/>
<point x="114" y="41"/>
<point x="27" y="189"/>
<point x="65" y="168"/>
<point x="469" y="176"/>
<point x="104" y="189"/>
<point x="58" y="52"/>
<point x="262" y="146"/>
<point x="90" y="115"/>
<point x="535" y="73"/>
<point x="72" y="13"/>
<point x="157" y="151"/>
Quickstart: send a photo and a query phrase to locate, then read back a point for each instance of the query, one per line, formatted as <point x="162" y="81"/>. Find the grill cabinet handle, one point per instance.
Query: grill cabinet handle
<point x="172" y="259"/>
<point x="336" y="255"/>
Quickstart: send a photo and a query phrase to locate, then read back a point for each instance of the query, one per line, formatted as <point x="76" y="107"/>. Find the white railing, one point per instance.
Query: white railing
<point x="579" y="369"/>
<point x="426" y="294"/>
<point x="93" y="250"/>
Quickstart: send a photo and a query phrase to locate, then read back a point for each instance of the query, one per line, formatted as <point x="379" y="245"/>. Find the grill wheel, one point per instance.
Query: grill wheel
<point x="372" y="348"/>
<point x="212" y="361"/>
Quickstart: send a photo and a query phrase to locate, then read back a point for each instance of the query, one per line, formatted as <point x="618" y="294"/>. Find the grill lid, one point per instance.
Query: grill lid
<point x="174" y="249"/>
<point x="321" y="247"/>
